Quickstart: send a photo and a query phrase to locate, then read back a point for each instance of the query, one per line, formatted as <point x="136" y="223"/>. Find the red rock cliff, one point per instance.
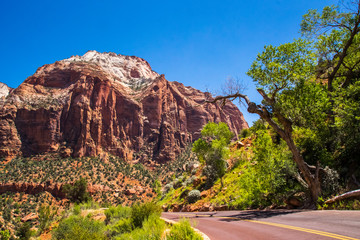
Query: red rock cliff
<point x="103" y="102"/>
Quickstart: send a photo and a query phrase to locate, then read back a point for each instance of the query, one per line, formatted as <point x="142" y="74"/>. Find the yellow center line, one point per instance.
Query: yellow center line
<point x="327" y="234"/>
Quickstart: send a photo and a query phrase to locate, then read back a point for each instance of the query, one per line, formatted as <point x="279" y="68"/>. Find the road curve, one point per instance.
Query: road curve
<point x="275" y="224"/>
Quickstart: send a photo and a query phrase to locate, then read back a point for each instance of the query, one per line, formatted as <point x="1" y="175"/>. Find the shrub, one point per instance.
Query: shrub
<point x="117" y="213"/>
<point x="76" y="210"/>
<point x="153" y="229"/>
<point x="24" y="232"/>
<point x="193" y="196"/>
<point x="245" y="133"/>
<point x="141" y="212"/>
<point x="124" y="225"/>
<point x="80" y="228"/>
<point x="188" y="181"/>
<point x="167" y="188"/>
<point x="183" y="231"/>
<point x="78" y="192"/>
<point x="4" y="235"/>
<point x="46" y="215"/>
<point x="7" y="215"/>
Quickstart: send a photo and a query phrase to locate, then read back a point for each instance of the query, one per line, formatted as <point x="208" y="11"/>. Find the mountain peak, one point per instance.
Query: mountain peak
<point x="4" y="90"/>
<point x="131" y="71"/>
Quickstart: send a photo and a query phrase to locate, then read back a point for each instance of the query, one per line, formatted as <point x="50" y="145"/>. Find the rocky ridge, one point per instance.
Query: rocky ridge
<point x="104" y="103"/>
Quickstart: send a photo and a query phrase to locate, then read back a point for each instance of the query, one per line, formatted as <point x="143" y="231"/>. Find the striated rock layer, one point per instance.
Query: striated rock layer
<point x="106" y="103"/>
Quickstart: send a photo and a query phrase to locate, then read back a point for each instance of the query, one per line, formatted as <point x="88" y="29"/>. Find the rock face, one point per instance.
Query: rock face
<point x="4" y="90"/>
<point x="106" y="103"/>
<point x="56" y="189"/>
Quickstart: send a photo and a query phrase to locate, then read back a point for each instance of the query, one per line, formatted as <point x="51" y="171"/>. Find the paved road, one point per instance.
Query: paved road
<point x="275" y="224"/>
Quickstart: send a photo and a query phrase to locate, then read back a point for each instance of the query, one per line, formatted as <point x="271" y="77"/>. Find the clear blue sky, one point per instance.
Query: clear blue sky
<point x="198" y="43"/>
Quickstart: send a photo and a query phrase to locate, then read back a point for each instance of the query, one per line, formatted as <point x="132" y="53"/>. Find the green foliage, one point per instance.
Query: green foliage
<point x="353" y="204"/>
<point x="24" y="232"/>
<point x="245" y="133"/>
<point x="211" y="149"/>
<point x="46" y="215"/>
<point x="79" y="228"/>
<point x="7" y="213"/>
<point x="183" y="231"/>
<point x="261" y="178"/>
<point x="153" y="229"/>
<point x="281" y="68"/>
<point x="115" y="213"/>
<point x="122" y="226"/>
<point x="5" y="235"/>
<point x="78" y="191"/>
<point x="193" y="196"/>
<point x="157" y="186"/>
<point x="76" y="209"/>
<point x="141" y="212"/>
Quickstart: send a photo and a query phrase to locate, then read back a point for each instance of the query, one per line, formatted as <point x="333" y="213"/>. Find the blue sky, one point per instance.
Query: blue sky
<point x="198" y="43"/>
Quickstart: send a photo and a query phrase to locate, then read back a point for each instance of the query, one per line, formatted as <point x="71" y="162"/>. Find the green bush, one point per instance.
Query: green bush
<point x="46" y="215"/>
<point x="24" y="232"/>
<point x="124" y="225"/>
<point x="193" y="196"/>
<point x="116" y="213"/>
<point x="5" y="235"/>
<point x="183" y="231"/>
<point x="153" y="229"/>
<point x="78" y="192"/>
<point x="76" y="209"/>
<point x="141" y="212"/>
<point x="79" y="228"/>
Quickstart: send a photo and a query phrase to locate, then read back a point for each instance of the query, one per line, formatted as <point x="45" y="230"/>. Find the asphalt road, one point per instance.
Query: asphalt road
<point x="275" y="224"/>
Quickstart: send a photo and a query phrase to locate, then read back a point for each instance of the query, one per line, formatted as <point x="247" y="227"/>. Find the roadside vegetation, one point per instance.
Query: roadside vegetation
<point x="140" y="221"/>
<point x="257" y="172"/>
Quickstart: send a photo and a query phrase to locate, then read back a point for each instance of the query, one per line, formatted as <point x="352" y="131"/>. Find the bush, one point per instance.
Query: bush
<point x="245" y="133"/>
<point x="117" y="213"/>
<point x="124" y="225"/>
<point x="193" y="196"/>
<point x="168" y="187"/>
<point x="46" y="215"/>
<point x="78" y="192"/>
<point x="24" y="232"/>
<point x="79" y="228"/>
<point x="76" y="210"/>
<point x="4" y="235"/>
<point x="141" y="212"/>
<point x="153" y="229"/>
<point x="183" y="231"/>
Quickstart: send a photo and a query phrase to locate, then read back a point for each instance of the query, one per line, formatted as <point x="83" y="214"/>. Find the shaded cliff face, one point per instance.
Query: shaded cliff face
<point x="106" y="103"/>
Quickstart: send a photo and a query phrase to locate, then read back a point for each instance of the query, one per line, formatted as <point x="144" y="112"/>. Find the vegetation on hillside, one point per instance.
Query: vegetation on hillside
<point x="310" y="90"/>
<point x="257" y="175"/>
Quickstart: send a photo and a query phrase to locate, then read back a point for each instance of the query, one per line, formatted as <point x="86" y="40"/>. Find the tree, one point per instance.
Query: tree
<point x="211" y="149"/>
<point x="280" y="72"/>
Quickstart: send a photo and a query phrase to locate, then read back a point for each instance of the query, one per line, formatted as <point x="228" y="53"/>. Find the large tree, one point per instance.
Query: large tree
<point x="294" y="77"/>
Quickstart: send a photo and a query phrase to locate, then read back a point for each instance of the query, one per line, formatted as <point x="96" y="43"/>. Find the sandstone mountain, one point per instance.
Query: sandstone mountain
<point x="105" y="103"/>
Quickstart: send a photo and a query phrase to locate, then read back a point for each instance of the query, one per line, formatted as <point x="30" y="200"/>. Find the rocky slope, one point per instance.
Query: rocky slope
<point x="105" y="103"/>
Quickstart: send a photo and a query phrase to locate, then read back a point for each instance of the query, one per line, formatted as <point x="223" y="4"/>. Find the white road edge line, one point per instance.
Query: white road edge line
<point x="203" y="235"/>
